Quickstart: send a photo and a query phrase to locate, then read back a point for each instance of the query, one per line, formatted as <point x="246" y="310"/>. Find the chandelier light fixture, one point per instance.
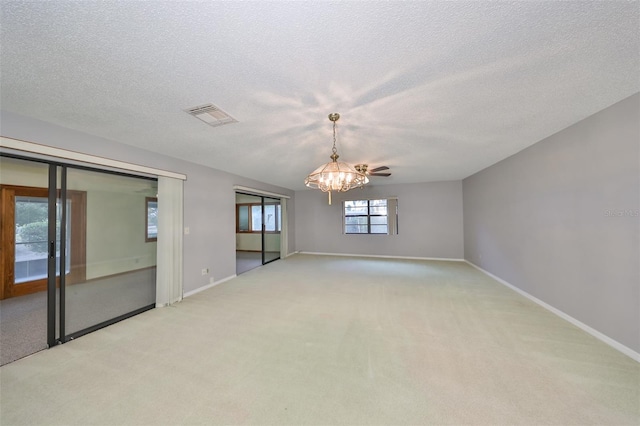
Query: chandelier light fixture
<point x="335" y="175"/>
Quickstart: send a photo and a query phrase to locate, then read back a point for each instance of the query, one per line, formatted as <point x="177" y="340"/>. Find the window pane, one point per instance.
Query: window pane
<point x="243" y="218"/>
<point x="356" y="229"/>
<point x="31" y="233"/>
<point x="378" y="210"/>
<point x="378" y="207"/>
<point x="152" y="219"/>
<point x="256" y="218"/>
<point x="31" y="220"/>
<point x="379" y="229"/>
<point x="270" y="217"/>
<point x="358" y="207"/>
<point x="356" y="220"/>
<point x="378" y="220"/>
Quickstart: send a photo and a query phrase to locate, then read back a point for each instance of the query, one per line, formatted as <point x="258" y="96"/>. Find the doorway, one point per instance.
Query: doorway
<point x="75" y="252"/>
<point x="258" y="231"/>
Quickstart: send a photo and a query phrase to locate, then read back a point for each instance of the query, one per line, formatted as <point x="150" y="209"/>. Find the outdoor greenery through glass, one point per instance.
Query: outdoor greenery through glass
<point x="366" y="217"/>
<point x="31" y="237"/>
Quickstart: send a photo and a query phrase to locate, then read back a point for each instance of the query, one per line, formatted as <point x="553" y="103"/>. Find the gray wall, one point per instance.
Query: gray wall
<point x="429" y="215"/>
<point x="209" y="198"/>
<point x="559" y="220"/>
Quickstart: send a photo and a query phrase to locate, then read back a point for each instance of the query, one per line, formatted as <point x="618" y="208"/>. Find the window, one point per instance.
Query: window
<point x="24" y="234"/>
<point x="32" y="235"/>
<point x="249" y="218"/>
<point x="272" y="217"/>
<point x="371" y="217"/>
<point x="151" y="221"/>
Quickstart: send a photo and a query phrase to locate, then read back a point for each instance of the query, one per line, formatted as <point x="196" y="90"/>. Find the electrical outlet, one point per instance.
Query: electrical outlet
<point x="205" y="271"/>
<point x="211" y="281"/>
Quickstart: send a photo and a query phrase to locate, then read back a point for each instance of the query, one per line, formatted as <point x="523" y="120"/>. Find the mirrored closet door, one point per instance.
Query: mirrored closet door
<point x="258" y="231"/>
<point x="78" y="251"/>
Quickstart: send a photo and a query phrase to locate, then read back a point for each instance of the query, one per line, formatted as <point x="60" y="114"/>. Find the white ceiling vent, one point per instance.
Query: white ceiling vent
<point x="211" y="114"/>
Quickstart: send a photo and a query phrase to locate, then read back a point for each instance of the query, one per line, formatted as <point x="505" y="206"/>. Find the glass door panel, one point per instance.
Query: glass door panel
<point x="24" y="206"/>
<point x="57" y="255"/>
<point x="117" y="276"/>
<point x="243" y="219"/>
<point x="248" y="232"/>
<point x="272" y="214"/>
<point x="258" y="228"/>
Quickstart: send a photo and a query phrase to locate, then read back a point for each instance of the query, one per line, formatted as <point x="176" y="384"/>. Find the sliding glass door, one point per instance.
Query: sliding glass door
<point x="271" y="229"/>
<point x="119" y="249"/>
<point x="258" y="231"/>
<point x="78" y="251"/>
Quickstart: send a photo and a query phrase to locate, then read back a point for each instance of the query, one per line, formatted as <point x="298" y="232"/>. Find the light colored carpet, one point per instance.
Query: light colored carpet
<point x="23" y="320"/>
<point x="332" y="340"/>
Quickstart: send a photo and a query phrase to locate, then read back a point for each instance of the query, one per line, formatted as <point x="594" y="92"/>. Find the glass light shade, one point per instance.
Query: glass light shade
<point x="335" y="176"/>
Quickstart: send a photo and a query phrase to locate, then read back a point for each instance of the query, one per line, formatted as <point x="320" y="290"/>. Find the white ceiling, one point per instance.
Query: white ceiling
<point x="435" y="90"/>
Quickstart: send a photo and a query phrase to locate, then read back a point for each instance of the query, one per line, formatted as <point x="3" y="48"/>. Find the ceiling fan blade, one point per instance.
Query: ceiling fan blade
<point x="378" y="169"/>
<point x="380" y="174"/>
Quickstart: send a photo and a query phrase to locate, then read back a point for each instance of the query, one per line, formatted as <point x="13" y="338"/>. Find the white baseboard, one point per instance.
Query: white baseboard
<point x="381" y="256"/>
<point x="595" y="333"/>
<point x="208" y="286"/>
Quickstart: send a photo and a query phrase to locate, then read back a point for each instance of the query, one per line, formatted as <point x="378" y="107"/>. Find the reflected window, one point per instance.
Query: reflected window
<point x="151" y="219"/>
<point x="249" y="218"/>
<point x="25" y="227"/>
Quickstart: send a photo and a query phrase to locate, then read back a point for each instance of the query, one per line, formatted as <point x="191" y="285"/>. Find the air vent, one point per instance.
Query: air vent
<point x="211" y="114"/>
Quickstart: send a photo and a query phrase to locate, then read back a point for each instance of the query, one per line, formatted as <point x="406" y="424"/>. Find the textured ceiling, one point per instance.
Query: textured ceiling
<point x="434" y="90"/>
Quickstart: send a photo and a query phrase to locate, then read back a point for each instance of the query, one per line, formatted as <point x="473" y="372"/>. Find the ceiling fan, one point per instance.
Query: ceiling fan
<point x="364" y="168"/>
